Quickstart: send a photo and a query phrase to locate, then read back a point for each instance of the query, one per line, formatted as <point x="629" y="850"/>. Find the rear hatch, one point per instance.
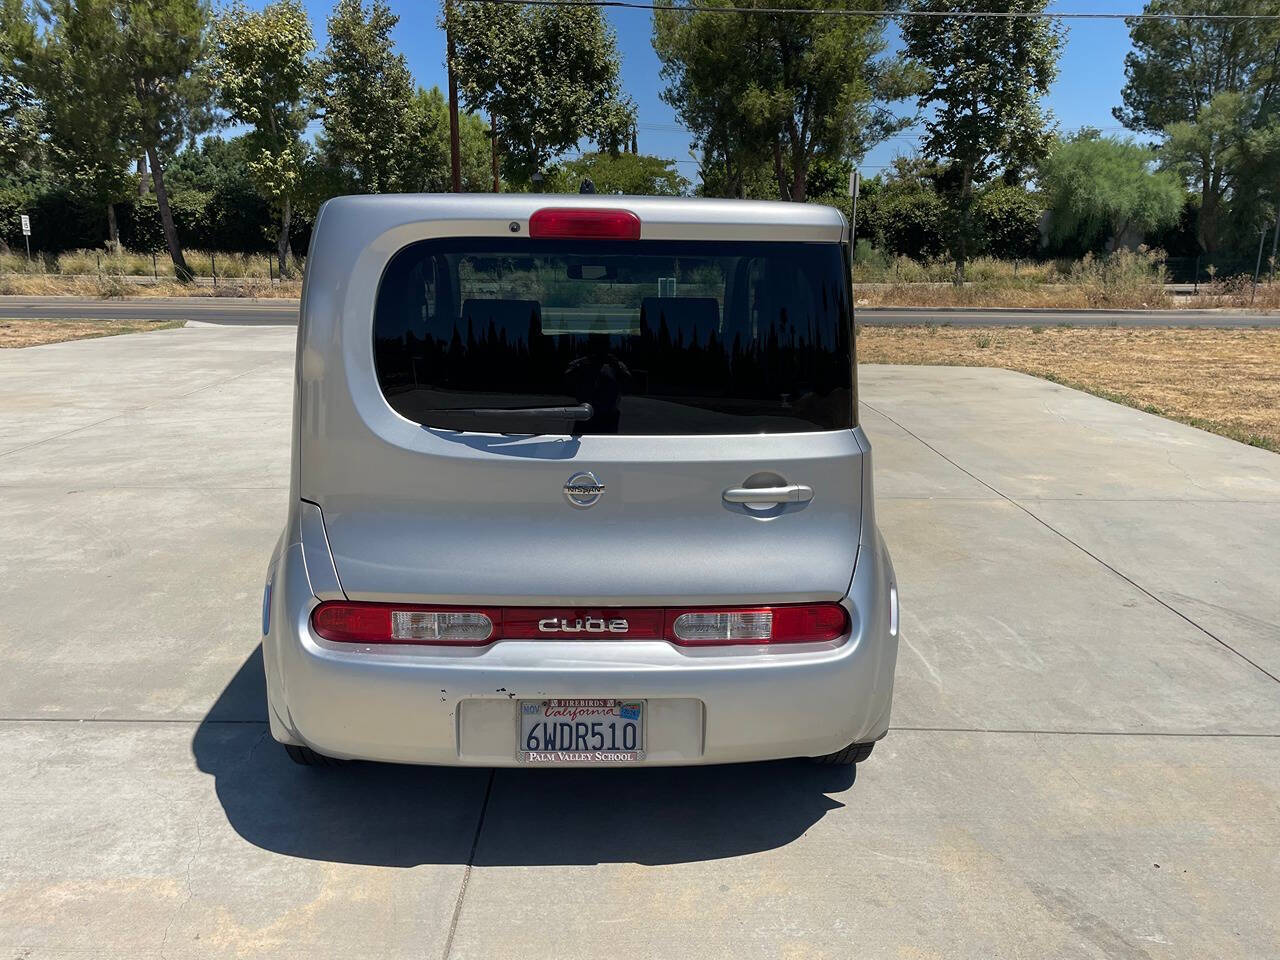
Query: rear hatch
<point x="570" y="414"/>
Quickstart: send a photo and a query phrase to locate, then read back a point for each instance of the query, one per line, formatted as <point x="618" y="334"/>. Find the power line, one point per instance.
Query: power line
<point x="888" y="14"/>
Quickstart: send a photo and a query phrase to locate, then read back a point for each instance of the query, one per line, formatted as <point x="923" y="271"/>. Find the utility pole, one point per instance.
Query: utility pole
<point x="1274" y="236"/>
<point x="1257" y="267"/>
<point x="455" y="150"/>
<point x="855" y="185"/>
<point x="493" y="150"/>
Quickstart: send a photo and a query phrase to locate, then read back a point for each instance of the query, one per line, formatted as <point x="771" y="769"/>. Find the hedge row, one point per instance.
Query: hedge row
<point x="232" y="218"/>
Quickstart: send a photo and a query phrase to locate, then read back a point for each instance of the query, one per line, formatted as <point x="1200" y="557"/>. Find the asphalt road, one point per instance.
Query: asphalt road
<point x="226" y="310"/>
<point x="250" y="312"/>
<point x="1084" y="760"/>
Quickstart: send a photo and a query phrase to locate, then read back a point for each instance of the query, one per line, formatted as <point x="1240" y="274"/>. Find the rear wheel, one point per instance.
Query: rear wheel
<point x="309" y="758"/>
<point x="853" y="753"/>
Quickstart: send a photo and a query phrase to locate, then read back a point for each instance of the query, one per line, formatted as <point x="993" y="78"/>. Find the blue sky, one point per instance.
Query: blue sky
<point x="1088" y="86"/>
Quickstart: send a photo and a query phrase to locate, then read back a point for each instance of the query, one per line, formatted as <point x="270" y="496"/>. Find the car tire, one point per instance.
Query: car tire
<point x="853" y="753"/>
<point x="307" y="757"/>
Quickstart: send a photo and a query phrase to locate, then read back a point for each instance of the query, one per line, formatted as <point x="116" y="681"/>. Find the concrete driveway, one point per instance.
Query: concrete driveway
<point x="1085" y="760"/>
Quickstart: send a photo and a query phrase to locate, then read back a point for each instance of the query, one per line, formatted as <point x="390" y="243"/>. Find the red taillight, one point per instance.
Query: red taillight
<point x="371" y="623"/>
<point x="794" y="623"/>
<point x="405" y="623"/>
<point x="584" y="224"/>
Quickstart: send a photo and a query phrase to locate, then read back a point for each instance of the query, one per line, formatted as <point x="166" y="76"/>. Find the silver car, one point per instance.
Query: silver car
<point x="578" y="480"/>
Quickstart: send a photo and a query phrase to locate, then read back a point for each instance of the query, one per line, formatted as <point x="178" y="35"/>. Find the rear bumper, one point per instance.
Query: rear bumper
<point x="459" y="707"/>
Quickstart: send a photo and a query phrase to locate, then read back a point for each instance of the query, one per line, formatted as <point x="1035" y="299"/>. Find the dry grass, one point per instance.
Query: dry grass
<point x="108" y="287"/>
<point x="130" y="263"/>
<point x="878" y="269"/>
<point x="1126" y="279"/>
<point x="1237" y="293"/>
<point x="1060" y="296"/>
<point x="30" y="333"/>
<point x="1225" y="381"/>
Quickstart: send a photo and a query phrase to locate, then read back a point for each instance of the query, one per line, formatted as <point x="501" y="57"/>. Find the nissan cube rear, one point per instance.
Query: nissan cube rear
<point x="578" y="481"/>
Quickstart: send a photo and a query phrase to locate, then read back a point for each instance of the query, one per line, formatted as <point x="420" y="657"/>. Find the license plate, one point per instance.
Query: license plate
<point x="578" y="731"/>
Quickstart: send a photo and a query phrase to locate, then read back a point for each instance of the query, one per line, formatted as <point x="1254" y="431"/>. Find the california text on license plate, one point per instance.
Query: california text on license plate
<point x="577" y="731"/>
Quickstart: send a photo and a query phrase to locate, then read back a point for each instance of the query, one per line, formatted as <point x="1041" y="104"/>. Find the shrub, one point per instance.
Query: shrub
<point x="1125" y="278"/>
<point x="1010" y="221"/>
<point x="864" y="254"/>
<point x="140" y="227"/>
<point x="113" y="287"/>
<point x="906" y="219"/>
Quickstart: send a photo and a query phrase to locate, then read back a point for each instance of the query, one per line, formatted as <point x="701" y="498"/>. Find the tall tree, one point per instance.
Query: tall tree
<point x="901" y="211"/>
<point x="702" y="60"/>
<point x="1205" y="84"/>
<point x="20" y="114"/>
<point x="163" y="49"/>
<point x="1100" y="187"/>
<point x="634" y="174"/>
<point x="263" y="73"/>
<point x="426" y="162"/>
<point x="548" y="74"/>
<point x="1260" y="180"/>
<point x="814" y="86"/>
<point x="365" y="94"/>
<point x="89" y="116"/>
<point x="986" y="79"/>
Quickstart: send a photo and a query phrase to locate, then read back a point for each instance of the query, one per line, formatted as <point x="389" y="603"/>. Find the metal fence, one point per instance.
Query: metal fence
<point x="1206" y="268"/>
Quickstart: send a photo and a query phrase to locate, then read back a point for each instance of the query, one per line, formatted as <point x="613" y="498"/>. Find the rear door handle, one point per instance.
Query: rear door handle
<point x="791" y="493"/>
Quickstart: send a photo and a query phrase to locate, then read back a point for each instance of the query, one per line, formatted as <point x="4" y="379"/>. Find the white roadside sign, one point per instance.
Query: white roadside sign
<point x="26" y="225"/>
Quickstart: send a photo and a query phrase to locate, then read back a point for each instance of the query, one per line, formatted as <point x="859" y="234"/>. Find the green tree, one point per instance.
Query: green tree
<point x="365" y="94"/>
<point x="702" y="64"/>
<point x="633" y="174"/>
<point x="1009" y="216"/>
<point x="426" y="164"/>
<point x="20" y="114"/>
<point x="1099" y="188"/>
<point x="901" y="212"/>
<point x="263" y="73"/>
<point x="237" y="216"/>
<point x="778" y="88"/>
<point x="986" y="78"/>
<point x="1260" y="179"/>
<point x="88" y="102"/>
<point x="1204" y="84"/>
<point x="208" y="164"/>
<point x="548" y="75"/>
<point x="163" y="47"/>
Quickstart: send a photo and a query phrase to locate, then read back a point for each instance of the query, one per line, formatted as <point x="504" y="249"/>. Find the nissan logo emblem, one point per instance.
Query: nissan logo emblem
<point x="583" y="489"/>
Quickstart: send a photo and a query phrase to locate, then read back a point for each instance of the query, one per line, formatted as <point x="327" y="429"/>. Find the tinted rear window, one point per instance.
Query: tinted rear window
<point x="659" y="337"/>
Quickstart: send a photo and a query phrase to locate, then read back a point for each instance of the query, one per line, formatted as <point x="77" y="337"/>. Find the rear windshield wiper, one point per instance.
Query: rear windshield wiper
<point x="583" y="411"/>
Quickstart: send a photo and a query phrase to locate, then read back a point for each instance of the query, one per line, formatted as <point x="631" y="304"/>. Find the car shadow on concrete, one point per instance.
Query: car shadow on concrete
<point x="402" y="816"/>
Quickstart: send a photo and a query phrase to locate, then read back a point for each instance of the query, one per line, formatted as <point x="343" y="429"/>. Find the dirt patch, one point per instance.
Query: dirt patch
<point x="1225" y="381"/>
<point x="30" y="333"/>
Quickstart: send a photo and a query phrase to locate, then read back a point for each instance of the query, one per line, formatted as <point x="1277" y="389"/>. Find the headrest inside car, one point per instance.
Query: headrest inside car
<point x="513" y="317"/>
<point x="693" y="318"/>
